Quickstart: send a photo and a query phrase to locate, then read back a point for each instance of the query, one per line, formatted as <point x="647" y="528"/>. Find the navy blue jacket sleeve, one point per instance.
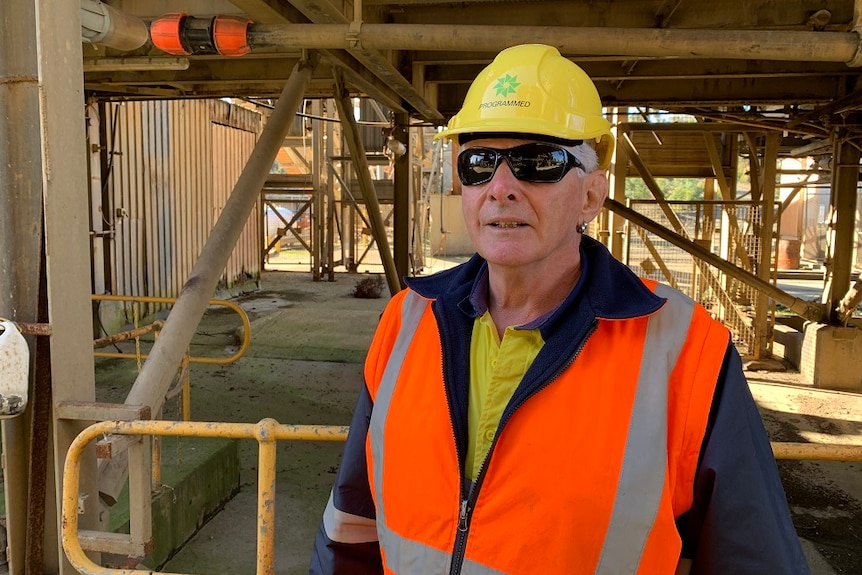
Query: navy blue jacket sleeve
<point x="349" y="516"/>
<point x="740" y="522"/>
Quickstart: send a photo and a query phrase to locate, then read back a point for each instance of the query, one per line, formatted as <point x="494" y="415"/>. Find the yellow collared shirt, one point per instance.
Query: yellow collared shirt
<point x="496" y="369"/>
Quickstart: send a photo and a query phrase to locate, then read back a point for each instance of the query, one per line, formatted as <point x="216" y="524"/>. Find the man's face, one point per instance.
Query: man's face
<point x="514" y="223"/>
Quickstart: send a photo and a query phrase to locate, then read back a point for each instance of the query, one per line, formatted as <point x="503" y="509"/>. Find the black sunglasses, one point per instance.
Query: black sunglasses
<point x="534" y="162"/>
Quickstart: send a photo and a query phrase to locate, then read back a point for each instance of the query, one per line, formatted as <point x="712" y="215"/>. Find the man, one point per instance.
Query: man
<point x="539" y="409"/>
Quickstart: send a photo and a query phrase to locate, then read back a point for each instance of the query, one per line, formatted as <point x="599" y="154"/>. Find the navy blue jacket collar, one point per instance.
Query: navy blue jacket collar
<point x="607" y="287"/>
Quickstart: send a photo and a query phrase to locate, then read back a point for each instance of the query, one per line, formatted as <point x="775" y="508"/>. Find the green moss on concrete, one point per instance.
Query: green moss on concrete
<point x="199" y="475"/>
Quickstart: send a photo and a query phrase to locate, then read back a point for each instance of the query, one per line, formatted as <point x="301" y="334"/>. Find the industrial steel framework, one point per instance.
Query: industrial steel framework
<point x="786" y="69"/>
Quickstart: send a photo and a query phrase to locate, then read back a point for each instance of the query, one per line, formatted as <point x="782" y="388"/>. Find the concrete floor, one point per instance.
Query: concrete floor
<point x="304" y="366"/>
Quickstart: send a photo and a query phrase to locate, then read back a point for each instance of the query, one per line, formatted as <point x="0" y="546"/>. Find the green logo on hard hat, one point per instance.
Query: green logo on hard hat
<point x="506" y="85"/>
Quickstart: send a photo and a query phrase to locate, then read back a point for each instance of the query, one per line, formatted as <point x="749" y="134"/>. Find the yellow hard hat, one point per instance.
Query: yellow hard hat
<point x="532" y="89"/>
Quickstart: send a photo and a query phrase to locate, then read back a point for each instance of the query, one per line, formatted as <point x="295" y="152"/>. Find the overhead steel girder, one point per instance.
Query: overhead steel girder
<point x="322" y="13"/>
<point x="634" y="43"/>
<point x="243" y="76"/>
<point x="269" y="11"/>
<point x="365" y="80"/>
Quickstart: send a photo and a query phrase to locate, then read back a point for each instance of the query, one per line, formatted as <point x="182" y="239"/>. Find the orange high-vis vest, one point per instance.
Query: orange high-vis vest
<point x="588" y="474"/>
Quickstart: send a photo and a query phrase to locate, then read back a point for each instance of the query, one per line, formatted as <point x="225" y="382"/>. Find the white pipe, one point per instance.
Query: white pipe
<point x="105" y="25"/>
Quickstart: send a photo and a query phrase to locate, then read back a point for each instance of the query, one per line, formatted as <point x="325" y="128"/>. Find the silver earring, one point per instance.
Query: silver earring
<point x="581" y="228"/>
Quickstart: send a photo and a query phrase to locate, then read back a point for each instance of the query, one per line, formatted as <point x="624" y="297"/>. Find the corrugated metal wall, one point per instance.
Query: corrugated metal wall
<point x="173" y="165"/>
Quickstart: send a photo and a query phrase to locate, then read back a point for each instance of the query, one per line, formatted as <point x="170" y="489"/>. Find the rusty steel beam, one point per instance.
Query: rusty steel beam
<point x="128" y="334"/>
<point x="27" y="328"/>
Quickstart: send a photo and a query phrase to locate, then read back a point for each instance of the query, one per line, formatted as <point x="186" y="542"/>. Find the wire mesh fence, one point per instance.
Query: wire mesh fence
<point x="730" y="230"/>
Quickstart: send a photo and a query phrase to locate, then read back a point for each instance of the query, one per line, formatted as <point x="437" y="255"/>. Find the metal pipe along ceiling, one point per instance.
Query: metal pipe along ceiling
<point x="105" y="25"/>
<point x="627" y="42"/>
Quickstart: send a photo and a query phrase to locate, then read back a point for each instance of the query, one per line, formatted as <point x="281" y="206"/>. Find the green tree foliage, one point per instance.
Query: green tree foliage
<point x="688" y="189"/>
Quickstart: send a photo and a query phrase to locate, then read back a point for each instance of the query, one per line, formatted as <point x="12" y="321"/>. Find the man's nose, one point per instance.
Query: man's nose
<point x="503" y="185"/>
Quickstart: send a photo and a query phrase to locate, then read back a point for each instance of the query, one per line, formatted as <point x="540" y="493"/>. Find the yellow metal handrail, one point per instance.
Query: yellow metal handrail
<point x="246" y="340"/>
<point x="817" y="451"/>
<point x="267" y="432"/>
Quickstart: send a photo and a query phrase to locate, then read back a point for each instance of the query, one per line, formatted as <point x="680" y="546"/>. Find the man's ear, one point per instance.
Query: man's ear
<point x="595" y="192"/>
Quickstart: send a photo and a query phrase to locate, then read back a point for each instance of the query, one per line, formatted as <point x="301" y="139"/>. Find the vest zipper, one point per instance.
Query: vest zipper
<point x="460" y="539"/>
<point x="463" y="509"/>
<point x="465" y="513"/>
<point x="469" y="497"/>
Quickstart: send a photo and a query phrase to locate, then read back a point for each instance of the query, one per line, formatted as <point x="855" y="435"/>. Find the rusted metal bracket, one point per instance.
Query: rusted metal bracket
<point x="38" y="329"/>
<point x="127" y="335"/>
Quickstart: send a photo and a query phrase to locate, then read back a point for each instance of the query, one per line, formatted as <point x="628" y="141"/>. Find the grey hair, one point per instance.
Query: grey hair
<point x="587" y="155"/>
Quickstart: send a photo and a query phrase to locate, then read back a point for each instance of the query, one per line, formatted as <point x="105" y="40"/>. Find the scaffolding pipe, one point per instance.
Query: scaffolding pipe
<point x="779" y="45"/>
<point x="158" y="371"/>
<point x="807" y="310"/>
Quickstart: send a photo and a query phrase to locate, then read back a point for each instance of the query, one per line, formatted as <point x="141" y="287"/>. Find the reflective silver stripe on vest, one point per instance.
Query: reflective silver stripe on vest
<point x="644" y="465"/>
<point x="402" y="555"/>
<point x="472" y="568"/>
<point x="411" y="557"/>
<point x="346" y="527"/>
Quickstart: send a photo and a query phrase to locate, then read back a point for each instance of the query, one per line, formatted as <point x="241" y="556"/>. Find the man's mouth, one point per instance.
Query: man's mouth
<point x="507" y="224"/>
